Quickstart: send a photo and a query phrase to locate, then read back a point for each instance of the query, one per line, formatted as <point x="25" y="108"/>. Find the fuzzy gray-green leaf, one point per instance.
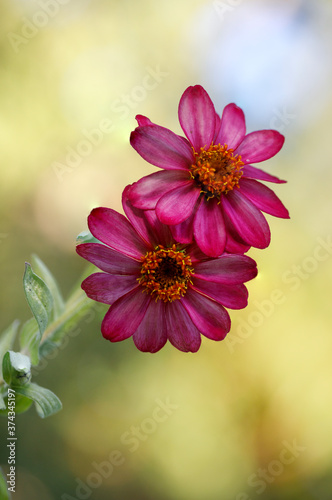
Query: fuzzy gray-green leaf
<point x="38" y="296"/>
<point x="45" y="274"/>
<point x="30" y="339"/>
<point x="45" y="400"/>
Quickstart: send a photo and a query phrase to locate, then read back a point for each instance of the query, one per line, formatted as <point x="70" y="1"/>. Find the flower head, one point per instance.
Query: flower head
<point x="208" y="191"/>
<point x="159" y="289"/>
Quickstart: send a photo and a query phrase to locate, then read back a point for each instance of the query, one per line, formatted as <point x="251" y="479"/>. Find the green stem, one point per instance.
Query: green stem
<point x="77" y="302"/>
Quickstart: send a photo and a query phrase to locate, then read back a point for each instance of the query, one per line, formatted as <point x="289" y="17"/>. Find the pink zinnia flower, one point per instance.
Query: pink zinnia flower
<point x="208" y="190"/>
<point x="158" y="289"/>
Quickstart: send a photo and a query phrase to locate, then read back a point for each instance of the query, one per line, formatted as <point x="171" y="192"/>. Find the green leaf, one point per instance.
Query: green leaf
<point x="86" y="237"/>
<point x="39" y="298"/>
<point x="30" y="339"/>
<point x="3" y="405"/>
<point x="7" y="338"/>
<point x="67" y="323"/>
<point x="45" y="274"/>
<point x="46" y="402"/>
<point x="22" y="404"/>
<point x="4" y="493"/>
<point x="16" y="369"/>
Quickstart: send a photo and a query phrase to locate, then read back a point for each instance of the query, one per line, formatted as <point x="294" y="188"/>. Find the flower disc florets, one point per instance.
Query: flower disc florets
<point x="216" y="170"/>
<point x="165" y="273"/>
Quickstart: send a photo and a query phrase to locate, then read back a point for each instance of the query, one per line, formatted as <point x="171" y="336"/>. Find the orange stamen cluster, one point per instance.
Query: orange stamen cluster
<point x="165" y="273"/>
<point x="216" y="170"/>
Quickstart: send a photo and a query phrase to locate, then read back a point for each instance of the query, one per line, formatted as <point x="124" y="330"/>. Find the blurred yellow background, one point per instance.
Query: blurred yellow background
<point x="246" y="418"/>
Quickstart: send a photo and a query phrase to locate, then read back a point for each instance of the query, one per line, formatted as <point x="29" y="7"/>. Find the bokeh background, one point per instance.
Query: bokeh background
<point x="250" y="417"/>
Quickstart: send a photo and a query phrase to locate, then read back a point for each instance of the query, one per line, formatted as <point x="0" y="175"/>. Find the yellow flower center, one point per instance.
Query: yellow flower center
<point x="216" y="170"/>
<point x="166" y="273"/>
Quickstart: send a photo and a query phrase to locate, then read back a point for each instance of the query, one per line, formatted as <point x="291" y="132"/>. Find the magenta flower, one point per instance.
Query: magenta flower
<point x="208" y="190"/>
<point x="158" y="289"/>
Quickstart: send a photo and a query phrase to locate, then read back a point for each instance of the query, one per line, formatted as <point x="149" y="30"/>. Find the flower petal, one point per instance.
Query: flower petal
<point x="107" y="288"/>
<point x="227" y="269"/>
<point x="146" y="192"/>
<point x="210" y="317"/>
<point x="260" y="145"/>
<point x="216" y="127"/>
<point x="232" y="127"/>
<point x="184" y="232"/>
<point x="151" y="335"/>
<point x="196" y="254"/>
<point x="161" y="147"/>
<point x="248" y="220"/>
<point x="181" y="331"/>
<point x="232" y="296"/>
<point x="177" y="205"/>
<point x="137" y="218"/>
<point x="209" y="228"/>
<point x="197" y="116"/>
<point x="263" y="198"/>
<point x="161" y="233"/>
<point x="235" y="245"/>
<point x="125" y="315"/>
<point x="115" y="230"/>
<point x="143" y="120"/>
<point x="106" y="259"/>
<point x="256" y="173"/>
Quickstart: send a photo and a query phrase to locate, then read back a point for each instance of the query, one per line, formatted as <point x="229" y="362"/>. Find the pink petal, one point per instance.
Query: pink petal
<point x="234" y="243"/>
<point x="177" y="205"/>
<point x="162" y="147"/>
<point x="113" y="229"/>
<point x="216" y="127"/>
<point x="125" y="315"/>
<point x="209" y="228"/>
<point x="161" y="233"/>
<point x="107" y="288"/>
<point x="232" y="127"/>
<point x="227" y="269"/>
<point x="257" y="173"/>
<point x="232" y="296"/>
<point x="196" y="254"/>
<point x="181" y="331"/>
<point x="147" y="223"/>
<point x="143" y="121"/>
<point x="151" y="335"/>
<point x="259" y="146"/>
<point x="235" y="246"/>
<point x="146" y="192"/>
<point x="135" y="216"/>
<point x="247" y="220"/>
<point x="210" y="317"/>
<point x="263" y="198"/>
<point x="183" y="232"/>
<point x="197" y="116"/>
<point x="108" y="260"/>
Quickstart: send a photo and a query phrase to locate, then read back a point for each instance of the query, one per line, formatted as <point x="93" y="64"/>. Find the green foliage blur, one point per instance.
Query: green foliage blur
<point x="244" y="418"/>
